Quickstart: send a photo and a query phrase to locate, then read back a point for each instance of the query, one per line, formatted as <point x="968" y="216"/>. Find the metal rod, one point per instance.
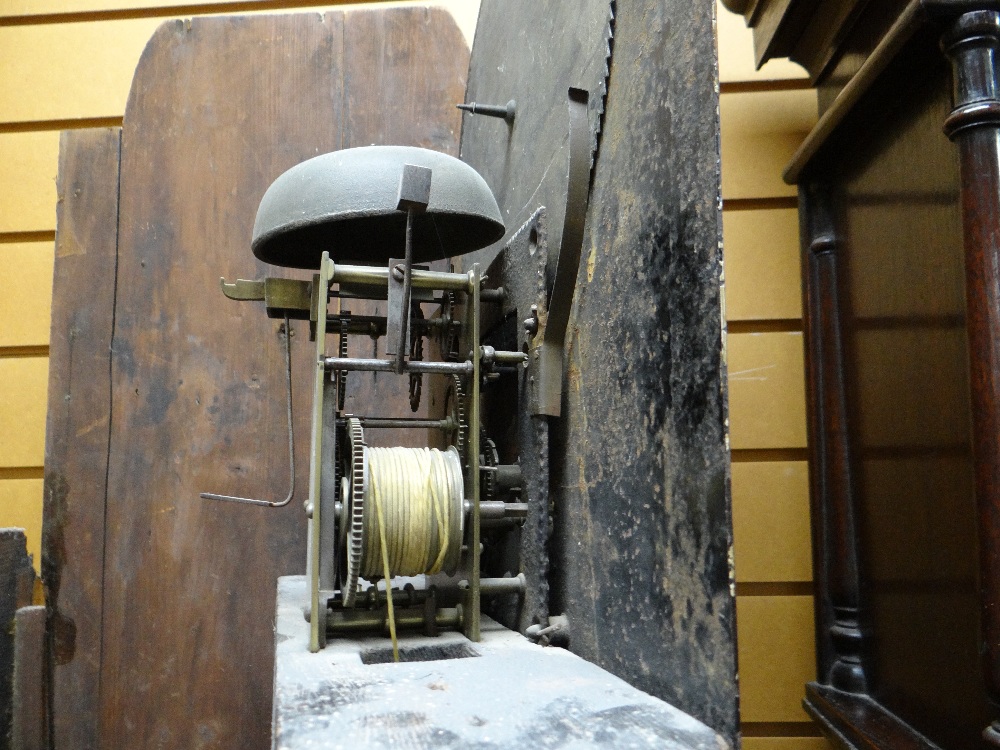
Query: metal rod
<point x="365" y="325"/>
<point x="291" y="441"/>
<point x="503" y="111"/>
<point x="403" y="423"/>
<point x="510" y="358"/>
<point x="387" y="365"/>
<point x="489" y="586"/>
<point x="498" y="509"/>
<point x="355" y="621"/>
<point x="377" y="275"/>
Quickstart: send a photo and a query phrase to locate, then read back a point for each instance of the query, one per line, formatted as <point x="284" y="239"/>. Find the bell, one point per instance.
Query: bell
<point x="346" y="202"/>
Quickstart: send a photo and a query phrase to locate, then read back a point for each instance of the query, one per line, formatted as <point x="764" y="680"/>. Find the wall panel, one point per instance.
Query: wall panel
<point x="25" y="293"/>
<point x="776" y="656"/>
<point x="23" y="393"/>
<point x="767" y="402"/>
<point x="760" y="132"/>
<point x="765" y="114"/>
<point x="786" y="743"/>
<point x="28" y="166"/>
<point x="772" y="541"/>
<point x="762" y="264"/>
<point x="19" y="500"/>
<point x="20" y="12"/>
<point x="82" y="70"/>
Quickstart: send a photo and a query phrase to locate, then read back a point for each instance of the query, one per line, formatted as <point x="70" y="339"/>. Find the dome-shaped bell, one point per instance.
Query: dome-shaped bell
<point x="345" y="202"/>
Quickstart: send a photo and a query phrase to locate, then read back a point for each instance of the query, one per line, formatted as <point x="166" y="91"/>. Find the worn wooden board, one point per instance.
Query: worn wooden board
<point x="220" y="107"/>
<point x="16" y="578"/>
<point x="76" y="449"/>
<point x="28" y="730"/>
<point x="641" y="543"/>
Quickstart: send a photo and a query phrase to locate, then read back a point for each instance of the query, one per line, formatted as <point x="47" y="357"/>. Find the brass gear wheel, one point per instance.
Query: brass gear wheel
<point x="342" y="374"/>
<point x="354" y="509"/>
<point x="448" y="335"/>
<point x="455" y="408"/>
<point x="416" y="354"/>
<point x="491" y="459"/>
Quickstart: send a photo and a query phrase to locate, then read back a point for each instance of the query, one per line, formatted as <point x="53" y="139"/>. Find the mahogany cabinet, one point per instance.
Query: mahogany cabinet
<point x="899" y="199"/>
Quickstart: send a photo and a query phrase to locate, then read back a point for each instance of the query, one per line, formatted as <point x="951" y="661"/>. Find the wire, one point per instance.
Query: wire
<point x="291" y="439"/>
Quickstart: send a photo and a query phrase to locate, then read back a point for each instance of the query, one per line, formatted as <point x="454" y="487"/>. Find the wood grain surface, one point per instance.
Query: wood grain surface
<point x="16" y="578"/>
<point x="28" y="731"/>
<point x="76" y="451"/>
<point x="219" y="108"/>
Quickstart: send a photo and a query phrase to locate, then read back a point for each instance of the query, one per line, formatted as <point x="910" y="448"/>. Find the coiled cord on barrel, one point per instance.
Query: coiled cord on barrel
<point x="413" y="492"/>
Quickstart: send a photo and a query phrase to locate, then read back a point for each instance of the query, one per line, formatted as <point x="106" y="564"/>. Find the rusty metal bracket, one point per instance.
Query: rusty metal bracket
<point x="414" y="197"/>
<point x="243" y="290"/>
<point x="546" y="351"/>
<point x="282" y="298"/>
<point x="397" y="333"/>
<point x="287" y="298"/>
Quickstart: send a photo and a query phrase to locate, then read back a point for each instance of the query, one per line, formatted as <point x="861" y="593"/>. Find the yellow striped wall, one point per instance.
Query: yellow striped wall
<point x="765" y="115"/>
<point x="69" y="64"/>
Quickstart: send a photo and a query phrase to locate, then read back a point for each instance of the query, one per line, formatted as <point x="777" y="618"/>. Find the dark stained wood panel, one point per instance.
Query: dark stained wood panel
<point x="28" y="731"/>
<point x="76" y="448"/>
<point x="219" y="108"/>
<point x="639" y="460"/>
<point x="16" y="579"/>
<point x="403" y="75"/>
<point x="902" y="297"/>
<point x="216" y="113"/>
<point x="906" y="154"/>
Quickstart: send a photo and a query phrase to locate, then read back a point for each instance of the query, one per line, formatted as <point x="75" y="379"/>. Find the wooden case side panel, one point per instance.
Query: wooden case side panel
<point x="219" y="108"/>
<point x="76" y="448"/>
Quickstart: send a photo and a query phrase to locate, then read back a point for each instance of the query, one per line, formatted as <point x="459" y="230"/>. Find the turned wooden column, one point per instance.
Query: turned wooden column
<point x="972" y="43"/>
<point x="835" y="540"/>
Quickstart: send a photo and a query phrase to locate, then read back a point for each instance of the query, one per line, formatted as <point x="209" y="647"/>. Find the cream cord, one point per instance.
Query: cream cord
<point x="413" y="484"/>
